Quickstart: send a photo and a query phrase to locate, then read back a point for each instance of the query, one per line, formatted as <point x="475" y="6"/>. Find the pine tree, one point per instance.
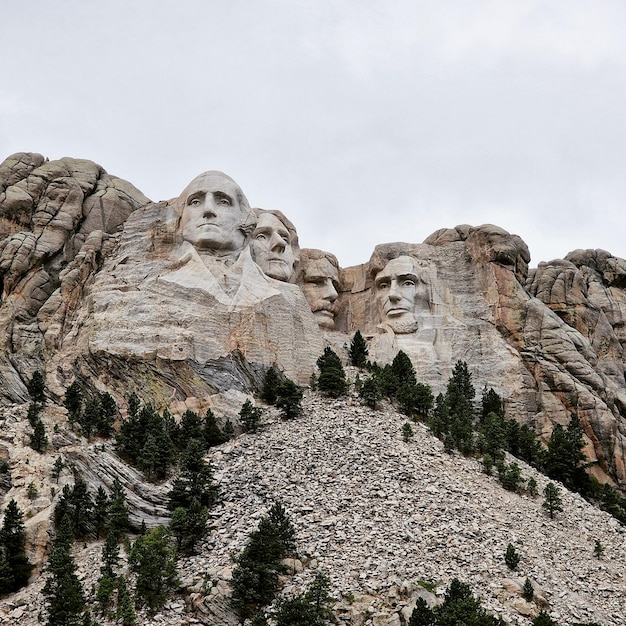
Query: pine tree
<point x="118" y="519"/>
<point x="36" y="387"/>
<point x="63" y="590"/>
<point x="403" y="370"/>
<point x="153" y="560"/>
<point x="332" y="378"/>
<point x="125" y="613"/>
<point x="543" y="619"/>
<point x="16" y="567"/>
<point x="511" y="557"/>
<point x="277" y="516"/>
<point x="407" y="432"/>
<point x="289" y="398"/>
<point x="358" y="350"/>
<point x="528" y="591"/>
<point x="195" y="480"/>
<point x="100" y="511"/>
<point x="73" y="402"/>
<point x="108" y="412"/>
<point x="211" y="433"/>
<point x="39" y="440"/>
<point x="77" y="505"/>
<point x="250" y="417"/>
<point x="422" y="615"/>
<point x="312" y="608"/>
<point x="57" y="468"/>
<point x="370" y="392"/>
<point x="491" y="402"/>
<point x="270" y="385"/>
<point x="531" y="487"/>
<point x="552" y="499"/>
<point x="598" y="549"/>
<point x="188" y="526"/>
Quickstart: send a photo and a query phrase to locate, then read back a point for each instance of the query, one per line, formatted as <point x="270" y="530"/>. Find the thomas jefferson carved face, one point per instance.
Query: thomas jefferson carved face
<point x="319" y="281"/>
<point x="213" y="212"/>
<point x="397" y="291"/>
<point x="271" y="247"/>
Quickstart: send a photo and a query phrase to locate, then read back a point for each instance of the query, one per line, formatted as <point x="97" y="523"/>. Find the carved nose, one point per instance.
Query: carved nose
<point x="331" y="292"/>
<point x="394" y="294"/>
<point x="277" y="243"/>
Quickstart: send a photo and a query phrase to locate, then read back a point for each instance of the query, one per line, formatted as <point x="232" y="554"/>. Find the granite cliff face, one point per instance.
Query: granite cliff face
<point x="187" y="302"/>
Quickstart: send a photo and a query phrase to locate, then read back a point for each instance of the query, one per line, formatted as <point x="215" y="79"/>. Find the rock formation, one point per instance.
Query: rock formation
<point x="166" y="299"/>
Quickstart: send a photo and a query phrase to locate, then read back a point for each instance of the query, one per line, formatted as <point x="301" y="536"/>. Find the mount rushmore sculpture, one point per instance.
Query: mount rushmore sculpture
<point x="187" y="302"/>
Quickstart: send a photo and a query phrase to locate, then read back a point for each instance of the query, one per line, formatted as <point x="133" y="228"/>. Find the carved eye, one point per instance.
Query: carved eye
<point x="195" y="202"/>
<point x="224" y="201"/>
<point x="261" y="236"/>
<point x="408" y="283"/>
<point x="383" y="285"/>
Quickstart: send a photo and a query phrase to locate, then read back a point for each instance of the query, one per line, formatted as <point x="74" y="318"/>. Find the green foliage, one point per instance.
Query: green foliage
<point x="15" y="567"/>
<point x="38" y="439"/>
<point x="312" y="608"/>
<point x="459" y="607"/>
<point x="487" y="464"/>
<point x="31" y="491"/>
<point x="76" y="505"/>
<point x="36" y="387"/>
<point x="195" y="481"/>
<point x="598" y="549"/>
<point x="552" y="499"/>
<point x="531" y="487"/>
<point x="250" y="417"/>
<point x="510" y="475"/>
<point x="289" y="398"/>
<point x="57" y="468"/>
<point x="228" y="430"/>
<point x="491" y="402"/>
<point x="125" y="613"/>
<point x="284" y="530"/>
<point x="565" y="460"/>
<point x="153" y="560"/>
<point x="543" y="619"/>
<point x="62" y="589"/>
<point x="271" y="381"/>
<point x="118" y="521"/>
<point x="370" y="392"/>
<point x="528" y="591"/>
<point x="332" y="378"/>
<point x="211" y="433"/>
<point x="34" y="413"/>
<point x="73" y="402"/>
<point x="100" y="511"/>
<point x="144" y="440"/>
<point x="189" y="525"/>
<point x="511" y="557"/>
<point x="255" y="577"/>
<point x="407" y="432"/>
<point x="358" y="350"/>
<point x="415" y="399"/>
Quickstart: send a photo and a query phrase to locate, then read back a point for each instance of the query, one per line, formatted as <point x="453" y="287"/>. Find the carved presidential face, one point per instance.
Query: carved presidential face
<point x="397" y="291"/>
<point x="320" y="284"/>
<point x="271" y="247"/>
<point x="213" y="213"/>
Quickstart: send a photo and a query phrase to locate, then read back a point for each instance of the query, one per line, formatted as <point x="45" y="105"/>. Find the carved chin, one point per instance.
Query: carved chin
<point x="403" y="327"/>
<point x="325" y="319"/>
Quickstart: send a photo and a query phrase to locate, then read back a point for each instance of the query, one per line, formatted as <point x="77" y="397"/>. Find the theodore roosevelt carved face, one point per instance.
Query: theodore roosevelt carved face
<point x="215" y="213"/>
<point x="319" y="280"/>
<point x="398" y="289"/>
<point x="274" y="245"/>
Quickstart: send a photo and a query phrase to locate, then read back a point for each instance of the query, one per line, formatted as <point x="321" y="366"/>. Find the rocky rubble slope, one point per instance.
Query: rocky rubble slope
<point x="378" y="515"/>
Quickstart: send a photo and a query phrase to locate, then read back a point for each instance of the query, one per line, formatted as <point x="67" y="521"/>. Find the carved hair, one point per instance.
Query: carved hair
<point x="312" y="254"/>
<point x="388" y="252"/>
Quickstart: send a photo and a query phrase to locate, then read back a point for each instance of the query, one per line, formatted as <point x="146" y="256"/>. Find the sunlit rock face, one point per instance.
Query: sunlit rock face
<point x="187" y="302"/>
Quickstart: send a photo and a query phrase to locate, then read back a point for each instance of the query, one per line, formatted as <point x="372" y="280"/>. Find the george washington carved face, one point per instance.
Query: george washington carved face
<point x="214" y="212"/>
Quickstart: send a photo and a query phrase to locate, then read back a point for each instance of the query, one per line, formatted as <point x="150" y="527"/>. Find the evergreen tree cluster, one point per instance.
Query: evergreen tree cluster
<point x="88" y="517"/>
<point x="459" y="607"/>
<point x="256" y="575"/>
<point x="36" y="388"/>
<point x="397" y="382"/>
<point x="15" y="567"/>
<point x="282" y="392"/>
<point x="95" y="415"/>
<point x="153" y="441"/>
<point x="332" y="378"/>
<point x="193" y="493"/>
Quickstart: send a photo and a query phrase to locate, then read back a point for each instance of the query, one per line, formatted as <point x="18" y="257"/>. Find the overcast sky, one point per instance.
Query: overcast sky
<point x="363" y="121"/>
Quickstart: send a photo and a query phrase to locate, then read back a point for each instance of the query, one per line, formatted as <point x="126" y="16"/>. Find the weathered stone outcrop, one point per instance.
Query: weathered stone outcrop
<point x="165" y="299"/>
